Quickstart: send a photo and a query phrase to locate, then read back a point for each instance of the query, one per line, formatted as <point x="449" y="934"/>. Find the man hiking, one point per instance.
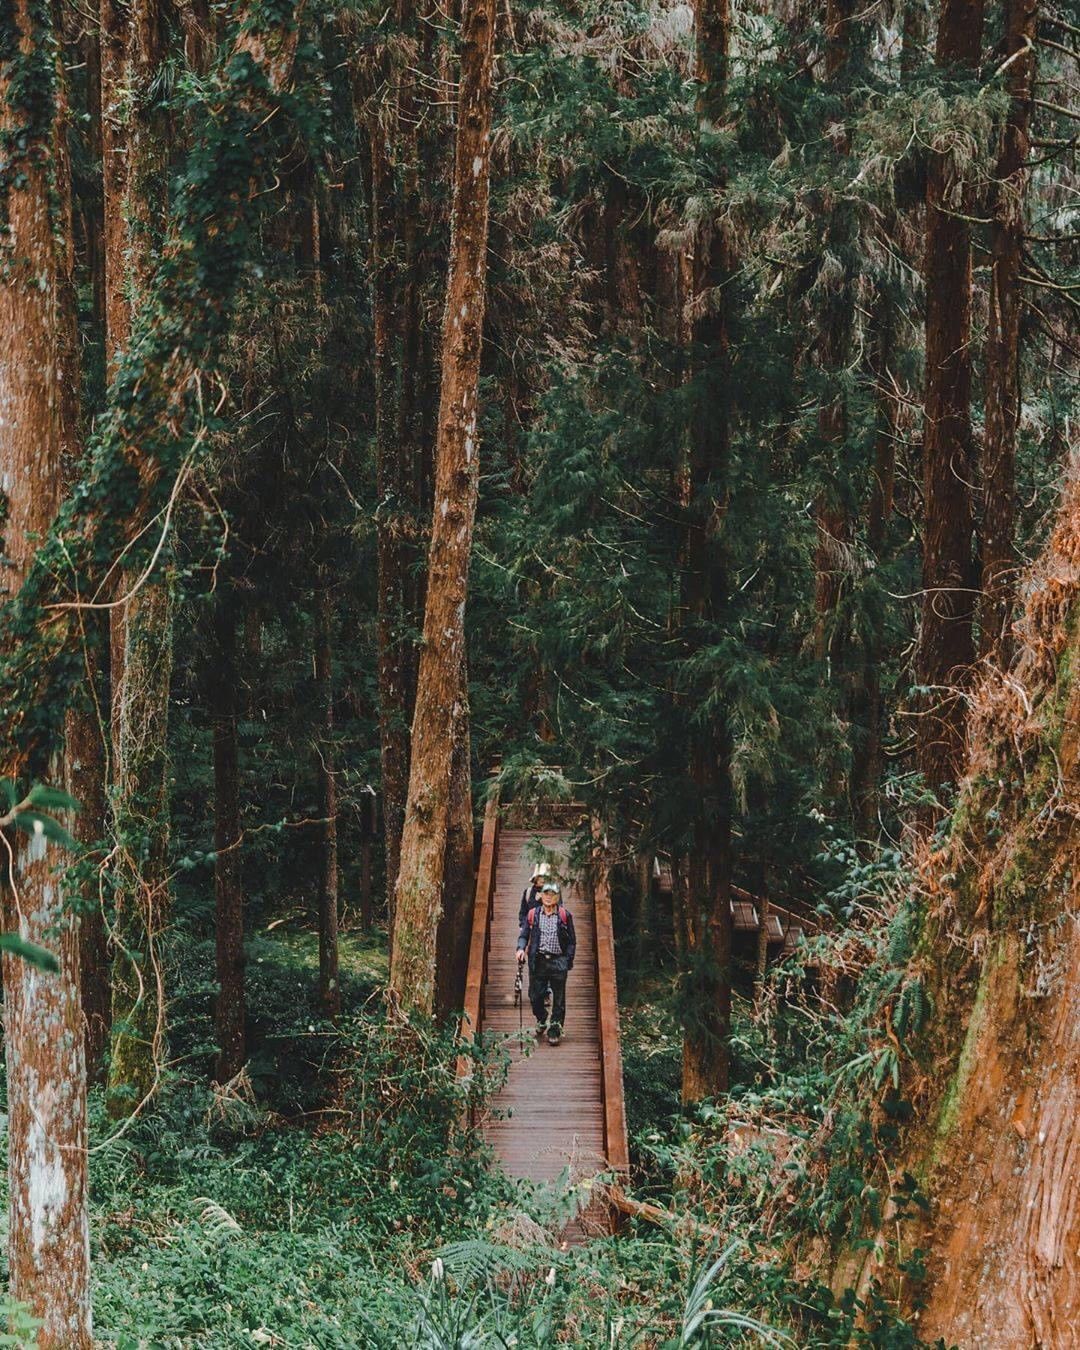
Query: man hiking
<point x="548" y="942"/>
<point x="530" y="896"/>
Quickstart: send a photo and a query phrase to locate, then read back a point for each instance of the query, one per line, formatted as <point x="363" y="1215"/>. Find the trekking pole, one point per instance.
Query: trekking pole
<point x="517" y="999"/>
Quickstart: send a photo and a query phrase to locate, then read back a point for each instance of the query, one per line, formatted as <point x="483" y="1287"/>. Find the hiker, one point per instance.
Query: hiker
<point x="530" y="896"/>
<point x="548" y="941"/>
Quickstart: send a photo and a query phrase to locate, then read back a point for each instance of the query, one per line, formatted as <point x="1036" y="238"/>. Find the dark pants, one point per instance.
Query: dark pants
<point x="548" y="974"/>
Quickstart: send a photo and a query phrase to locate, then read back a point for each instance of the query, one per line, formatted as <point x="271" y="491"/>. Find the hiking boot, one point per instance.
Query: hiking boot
<point x="541" y="1027"/>
<point x="554" y="1035"/>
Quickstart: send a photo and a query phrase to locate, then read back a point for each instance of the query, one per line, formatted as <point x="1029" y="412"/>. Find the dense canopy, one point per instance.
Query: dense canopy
<point x="654" y="418"/>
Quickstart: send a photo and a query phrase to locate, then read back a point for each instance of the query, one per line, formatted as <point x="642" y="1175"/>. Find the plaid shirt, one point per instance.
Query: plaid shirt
<point x="549" y="933"/>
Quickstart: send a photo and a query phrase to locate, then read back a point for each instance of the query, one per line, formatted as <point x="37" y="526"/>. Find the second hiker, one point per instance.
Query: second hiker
<point x="530" y="896"/>
<point x="548" y="942"/>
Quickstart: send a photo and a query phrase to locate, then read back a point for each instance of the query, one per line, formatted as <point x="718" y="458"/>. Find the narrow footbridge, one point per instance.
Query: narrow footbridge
<point x="561" y="1108"/>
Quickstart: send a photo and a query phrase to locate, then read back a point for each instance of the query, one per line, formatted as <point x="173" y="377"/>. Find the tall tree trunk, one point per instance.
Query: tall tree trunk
<point x="946" y="639"/>
<point x="866" y="759"/>
<point x="230" y="1008"/>
<point x="866" y="767"/>
<point x="1000" y="960"/>
<point x="1003" y="332"/>
<point x="643" y="926"/>
<point x="455" y="922"/>
<point x="833" y="331"/>
<point x="834" y="342"/>
<point x="85" y="750"/>
<point x="48" y="1238"/>
<point x="142" y="873"/>
<point x="441" y="697"/>
<point x="329" y="983"/>
<point x="396" y="239"/>
<point x="393" y="681"/>
<point x="368" y="813"/>
<point x="707" y="966"/>
<point x="141" y="631"/>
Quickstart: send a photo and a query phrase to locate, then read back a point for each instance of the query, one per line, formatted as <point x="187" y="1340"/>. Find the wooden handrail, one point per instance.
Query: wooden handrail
<point x="616" y="1147"/>
<point x="481" y="924"/>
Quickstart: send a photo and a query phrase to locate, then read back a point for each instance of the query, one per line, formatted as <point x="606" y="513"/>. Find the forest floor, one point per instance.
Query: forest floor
<point x="284" y="1215"/>
<point x="334" y="1199"/>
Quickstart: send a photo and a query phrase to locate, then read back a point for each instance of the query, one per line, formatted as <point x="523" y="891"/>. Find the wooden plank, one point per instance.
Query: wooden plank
<point x="549" y="1113"/>
<point x="616" y="1146"/>
<point x="474" y="981"/>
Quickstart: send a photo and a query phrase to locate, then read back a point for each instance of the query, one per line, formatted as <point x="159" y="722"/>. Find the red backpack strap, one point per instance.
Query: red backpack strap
<point x="529" y="917"/>
<point x="563" y="916"/>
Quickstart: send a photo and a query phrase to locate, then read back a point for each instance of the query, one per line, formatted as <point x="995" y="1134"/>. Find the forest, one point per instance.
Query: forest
<point x="513" y="515"/>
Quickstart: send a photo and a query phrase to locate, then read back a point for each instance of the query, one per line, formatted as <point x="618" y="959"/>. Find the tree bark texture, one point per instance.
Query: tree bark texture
<point x="142" y="890"/>
<point x="707" y="958"/>
<point x="1003" y="333"/>
<point x="84" y="758"/>
<point x="230" y="1007"/>
<point x="866" y="758"/>
<point x="946" y="638"/>
<point x="134" y="140"/>
<point x="392" y="672"/>
<point x="48" y="1236"/>
<point x="455" y="922"/>
<point x="1000" y="958"/>
<point x="329" y="983"/>
<point x="441" y="697"/>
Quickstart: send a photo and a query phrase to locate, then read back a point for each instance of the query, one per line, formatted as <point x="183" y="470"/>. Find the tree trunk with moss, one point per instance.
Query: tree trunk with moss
<point x="142" y="890"/>
<point x="1000" y="961"/>
<point x="455" y="922"/>
<point x="48" y="1237"/>
<point x="141" y="633"/>
<point x="441" y="696"/>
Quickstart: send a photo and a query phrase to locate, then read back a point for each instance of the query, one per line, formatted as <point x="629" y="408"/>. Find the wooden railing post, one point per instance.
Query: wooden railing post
<point x="616" y="1147"/>
<point x="479" y="942"/>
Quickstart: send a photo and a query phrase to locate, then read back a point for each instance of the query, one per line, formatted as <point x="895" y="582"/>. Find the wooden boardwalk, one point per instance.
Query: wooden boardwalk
<point x="550" y="1111"/>
<point x="561" y="1108"/>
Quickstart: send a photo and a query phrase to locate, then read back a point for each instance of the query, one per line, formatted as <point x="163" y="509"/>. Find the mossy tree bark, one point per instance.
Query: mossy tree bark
<point x="142" y="874"/>
<point x="141" y="631"/>
<point x="1000" y="957"/>
<point x="48" y="1237"/>
<point x="441" y="696"/>
<point x="455" y="921"/>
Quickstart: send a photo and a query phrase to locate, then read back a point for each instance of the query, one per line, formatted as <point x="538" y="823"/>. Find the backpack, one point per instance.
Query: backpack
<point x="563" y="916"/>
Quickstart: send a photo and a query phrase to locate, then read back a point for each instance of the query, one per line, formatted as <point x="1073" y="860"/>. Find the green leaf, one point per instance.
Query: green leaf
<point x="9" y="791"/>
<point x="51" y="799"/>
<point x="29" y="951"/>
<point x="35" y="822"/>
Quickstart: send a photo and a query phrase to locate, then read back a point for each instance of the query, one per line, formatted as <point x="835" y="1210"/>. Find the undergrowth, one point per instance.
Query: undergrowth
<point x="335" y="1195"/>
